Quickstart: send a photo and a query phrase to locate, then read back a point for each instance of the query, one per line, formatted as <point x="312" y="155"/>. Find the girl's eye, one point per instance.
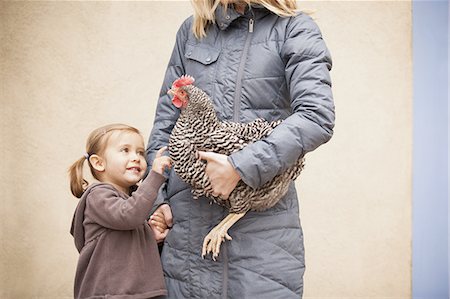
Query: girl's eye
<point x="125" y="150"/>
<point x="141" y="153"/>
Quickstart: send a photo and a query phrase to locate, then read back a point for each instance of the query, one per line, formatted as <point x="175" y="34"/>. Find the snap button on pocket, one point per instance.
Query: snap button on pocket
<point x="204" y="55"/>
<point x="227" y="17"/>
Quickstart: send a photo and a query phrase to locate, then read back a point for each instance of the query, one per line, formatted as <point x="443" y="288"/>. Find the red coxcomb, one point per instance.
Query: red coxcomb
<point x="183" y="81"/>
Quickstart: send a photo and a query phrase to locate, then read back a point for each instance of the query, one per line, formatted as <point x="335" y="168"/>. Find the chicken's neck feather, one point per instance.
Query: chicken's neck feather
<point x="200" y="110"/>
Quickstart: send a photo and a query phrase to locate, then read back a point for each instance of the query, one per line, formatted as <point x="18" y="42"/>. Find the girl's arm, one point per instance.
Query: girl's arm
<point x="105" y="206"/>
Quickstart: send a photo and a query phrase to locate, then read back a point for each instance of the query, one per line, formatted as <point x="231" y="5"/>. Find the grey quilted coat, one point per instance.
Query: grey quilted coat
<point x="252" y="65"/>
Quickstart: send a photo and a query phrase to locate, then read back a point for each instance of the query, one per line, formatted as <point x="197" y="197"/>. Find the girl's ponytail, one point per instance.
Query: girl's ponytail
<point x="77" y="183"/>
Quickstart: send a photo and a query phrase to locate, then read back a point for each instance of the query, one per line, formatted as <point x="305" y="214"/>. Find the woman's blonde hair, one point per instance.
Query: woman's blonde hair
<point x="95" y="144"/>
<point x="204" y="11"/>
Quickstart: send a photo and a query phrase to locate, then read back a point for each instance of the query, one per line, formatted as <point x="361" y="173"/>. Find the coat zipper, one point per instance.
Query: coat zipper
<point x="237" y="95"/>
<point x="237" y="106"/>
<point x="225" y="271"/>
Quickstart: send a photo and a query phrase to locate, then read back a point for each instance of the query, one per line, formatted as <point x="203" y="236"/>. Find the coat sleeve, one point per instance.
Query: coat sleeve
<point x="166" y="113"/>
<point x="307" y="65"/>
<point x="105" y="206"/>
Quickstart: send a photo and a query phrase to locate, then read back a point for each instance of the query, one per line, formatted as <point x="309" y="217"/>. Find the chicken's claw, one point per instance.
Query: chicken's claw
<point x="213" y="240"/>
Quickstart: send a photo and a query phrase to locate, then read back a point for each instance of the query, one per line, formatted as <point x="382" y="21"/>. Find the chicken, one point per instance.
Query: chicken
<point x="199" y="129"/>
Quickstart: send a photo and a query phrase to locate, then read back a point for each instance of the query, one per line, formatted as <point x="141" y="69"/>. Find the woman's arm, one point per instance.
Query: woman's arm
<point x="164" y="121"/>
<point x="161" y="222"/>
<point x="308" y="63"/>
<point x="166" y="113"/>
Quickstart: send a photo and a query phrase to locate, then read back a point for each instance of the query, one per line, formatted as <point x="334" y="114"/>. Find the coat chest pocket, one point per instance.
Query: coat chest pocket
<point x="200" y="61"/>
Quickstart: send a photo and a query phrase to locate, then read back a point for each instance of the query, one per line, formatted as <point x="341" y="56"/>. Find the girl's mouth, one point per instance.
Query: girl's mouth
<point x="134" y="169"/>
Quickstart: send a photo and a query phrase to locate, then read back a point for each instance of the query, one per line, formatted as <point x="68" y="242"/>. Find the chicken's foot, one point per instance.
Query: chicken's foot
<point x="218" y="234"/>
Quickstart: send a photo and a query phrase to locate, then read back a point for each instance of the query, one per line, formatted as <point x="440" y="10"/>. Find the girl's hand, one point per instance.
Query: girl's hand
<point x="161" y="162"/>
<point x="161" y="222"/>
<point x="220" y="172"/>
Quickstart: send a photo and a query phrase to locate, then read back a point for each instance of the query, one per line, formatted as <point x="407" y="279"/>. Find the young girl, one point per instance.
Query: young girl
<point x="118" y="252"/>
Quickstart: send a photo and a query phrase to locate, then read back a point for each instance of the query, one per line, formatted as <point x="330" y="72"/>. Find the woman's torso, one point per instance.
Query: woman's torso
<point x="244" y="74"/>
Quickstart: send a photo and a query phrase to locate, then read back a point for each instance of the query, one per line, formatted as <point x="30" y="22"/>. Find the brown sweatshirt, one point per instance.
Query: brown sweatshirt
<point x="118" y="253"/>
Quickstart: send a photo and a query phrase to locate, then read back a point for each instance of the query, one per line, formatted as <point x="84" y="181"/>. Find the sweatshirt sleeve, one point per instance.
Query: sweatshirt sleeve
<point x="106" y="206"/>
<point x="307" y="65"/>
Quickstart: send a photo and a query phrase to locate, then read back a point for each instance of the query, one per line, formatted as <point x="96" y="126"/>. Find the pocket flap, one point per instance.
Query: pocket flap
<point x="204" y="55"/>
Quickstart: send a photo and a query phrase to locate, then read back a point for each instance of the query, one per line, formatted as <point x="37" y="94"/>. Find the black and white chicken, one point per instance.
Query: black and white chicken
<point x="199" y="129"/>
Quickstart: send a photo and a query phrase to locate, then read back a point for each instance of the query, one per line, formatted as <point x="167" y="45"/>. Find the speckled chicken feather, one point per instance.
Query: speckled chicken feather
<point x="198" y="128"/>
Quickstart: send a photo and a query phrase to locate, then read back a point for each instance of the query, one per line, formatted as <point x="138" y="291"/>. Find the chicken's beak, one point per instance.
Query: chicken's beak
<point x="170" y="92"/>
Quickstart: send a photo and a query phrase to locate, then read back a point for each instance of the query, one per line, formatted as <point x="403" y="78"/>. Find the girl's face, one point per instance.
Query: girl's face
<point x="124" y="160"/>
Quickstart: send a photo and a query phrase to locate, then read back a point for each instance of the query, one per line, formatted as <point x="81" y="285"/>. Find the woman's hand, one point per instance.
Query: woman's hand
<point x="161" y="222"/>
<point x="220" y="172"/>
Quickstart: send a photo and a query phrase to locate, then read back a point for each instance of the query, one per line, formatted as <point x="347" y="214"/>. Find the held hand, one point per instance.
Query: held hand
<point x="161" y="222"/>
<point x="161" y="162"/>
<point x="220" y="172"/>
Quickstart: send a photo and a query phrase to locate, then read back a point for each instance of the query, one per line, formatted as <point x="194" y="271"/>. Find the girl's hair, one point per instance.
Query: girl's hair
<point x="204" y="11"/>
<point x="95" y="144"/>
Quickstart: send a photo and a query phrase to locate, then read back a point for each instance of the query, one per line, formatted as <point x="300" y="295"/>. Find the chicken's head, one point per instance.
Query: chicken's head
<point x="180" y="96"/>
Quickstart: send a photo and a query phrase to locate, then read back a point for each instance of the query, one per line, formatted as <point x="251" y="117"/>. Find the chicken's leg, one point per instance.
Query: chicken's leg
<point x="218" y="234"/>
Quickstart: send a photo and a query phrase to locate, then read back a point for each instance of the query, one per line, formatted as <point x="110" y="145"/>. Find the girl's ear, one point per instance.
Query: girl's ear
<point x="97" y="162"/>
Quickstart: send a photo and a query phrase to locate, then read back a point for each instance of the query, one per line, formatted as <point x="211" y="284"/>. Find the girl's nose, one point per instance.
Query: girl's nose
<point x="134" y="156"/>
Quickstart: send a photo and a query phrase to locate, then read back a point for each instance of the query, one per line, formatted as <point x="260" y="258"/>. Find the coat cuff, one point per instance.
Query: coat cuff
<point x="242" y="169"/>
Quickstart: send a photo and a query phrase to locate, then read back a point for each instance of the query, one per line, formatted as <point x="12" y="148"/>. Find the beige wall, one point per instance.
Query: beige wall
<point x="68" y="67"/>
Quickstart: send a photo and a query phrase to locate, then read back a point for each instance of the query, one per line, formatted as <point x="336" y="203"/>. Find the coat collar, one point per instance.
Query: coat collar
<point x="225" y="17"/>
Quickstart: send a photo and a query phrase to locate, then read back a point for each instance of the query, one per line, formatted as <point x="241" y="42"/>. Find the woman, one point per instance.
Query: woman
<point x="255" y="59"/>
